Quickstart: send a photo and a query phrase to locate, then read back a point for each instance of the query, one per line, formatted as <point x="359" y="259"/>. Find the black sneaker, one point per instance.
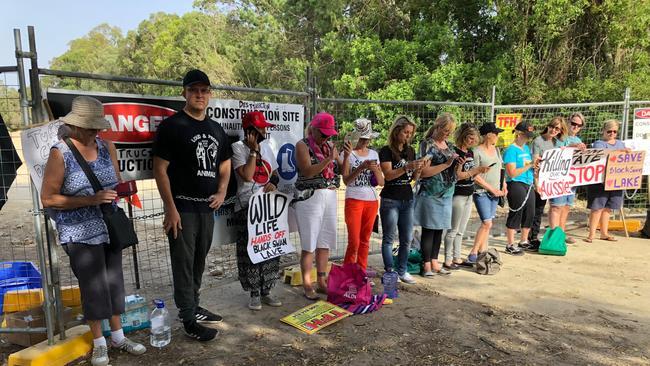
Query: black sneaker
<point x="512" y="250"/>
<point x="205" y="316"/>
<point x="196" y="331"/>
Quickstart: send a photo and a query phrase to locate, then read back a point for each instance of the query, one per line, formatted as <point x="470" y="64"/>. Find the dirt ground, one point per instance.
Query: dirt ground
<point x="588" y="308"/>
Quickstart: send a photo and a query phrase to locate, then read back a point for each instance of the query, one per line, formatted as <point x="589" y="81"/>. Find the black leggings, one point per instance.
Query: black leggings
<point x="430" y="244"/>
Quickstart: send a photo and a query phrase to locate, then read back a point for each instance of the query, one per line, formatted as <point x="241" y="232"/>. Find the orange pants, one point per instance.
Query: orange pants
<point x="359" y="218"/>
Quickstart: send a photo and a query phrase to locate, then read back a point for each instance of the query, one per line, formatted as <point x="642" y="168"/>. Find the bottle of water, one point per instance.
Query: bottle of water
<point x="161" y="331"/>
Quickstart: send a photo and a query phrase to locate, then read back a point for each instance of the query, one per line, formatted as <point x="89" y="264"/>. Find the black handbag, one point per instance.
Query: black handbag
<point x="121" y="232"/>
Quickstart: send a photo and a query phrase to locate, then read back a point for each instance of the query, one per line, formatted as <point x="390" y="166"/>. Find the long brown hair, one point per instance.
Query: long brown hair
<point x="464" y="131"/>
<point x="398" y="125"/>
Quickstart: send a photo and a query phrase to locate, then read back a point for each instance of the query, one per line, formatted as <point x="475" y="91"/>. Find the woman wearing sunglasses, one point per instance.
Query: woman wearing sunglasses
<point x="599" y="201"/>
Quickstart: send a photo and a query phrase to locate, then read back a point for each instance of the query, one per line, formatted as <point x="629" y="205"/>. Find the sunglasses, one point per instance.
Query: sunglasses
<point x="611" y="131"/>
<point x="576" y="124"/>
<point x="555" y="127"/>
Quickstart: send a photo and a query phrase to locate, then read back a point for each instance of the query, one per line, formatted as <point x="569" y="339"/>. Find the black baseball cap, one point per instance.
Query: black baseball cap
<point x="488" y="127"/>
<point x="194" y="77"/>
<point x="526" y="127"/>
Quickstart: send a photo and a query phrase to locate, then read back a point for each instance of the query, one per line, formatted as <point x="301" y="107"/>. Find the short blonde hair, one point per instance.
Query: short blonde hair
<point x="609" y="124"/>
<point x="464" y="132"/>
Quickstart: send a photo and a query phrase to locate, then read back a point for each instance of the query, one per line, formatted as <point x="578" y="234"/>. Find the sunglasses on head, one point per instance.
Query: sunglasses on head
<point x="576" y="124"/>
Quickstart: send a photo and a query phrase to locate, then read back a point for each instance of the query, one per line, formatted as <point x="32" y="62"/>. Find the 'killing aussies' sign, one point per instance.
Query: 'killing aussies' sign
<point x="268" y="226"/>
<point x="554" y="179"/>
<point x="624" y="170"/>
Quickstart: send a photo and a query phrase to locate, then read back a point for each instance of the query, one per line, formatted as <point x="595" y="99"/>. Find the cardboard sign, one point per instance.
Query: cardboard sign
<point x="587" y="167"/>
<point x="554" y="179"/>
<point x="36" y="144"/>
<point x="316" y="316"/>
<point x="507" y="123"/>
<point x="641" y="124"/>
<point x="268" y="226"/>
<point x="643" y="145"/>
<point x="624" y="170"/>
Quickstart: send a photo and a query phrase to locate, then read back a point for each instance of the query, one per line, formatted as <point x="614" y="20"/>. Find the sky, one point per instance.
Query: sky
<point x="56" y="23"/>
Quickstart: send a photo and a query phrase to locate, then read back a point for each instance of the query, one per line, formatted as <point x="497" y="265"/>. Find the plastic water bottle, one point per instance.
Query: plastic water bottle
<point x="389" y="280"/>
<point x="161" y="331"/>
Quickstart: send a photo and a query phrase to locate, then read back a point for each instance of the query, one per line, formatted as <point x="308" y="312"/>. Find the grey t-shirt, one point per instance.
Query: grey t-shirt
<point x="481" y="158"/>
<point x="540" y="145"/>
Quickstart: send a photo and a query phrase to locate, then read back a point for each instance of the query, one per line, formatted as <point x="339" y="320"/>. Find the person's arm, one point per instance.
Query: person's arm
<point x="306" y="168"/>
<point x="513" y="171"/>
<point x="222" y="187"/>
<point x="113" y="153"/>
<point x="350" y="175"/>
<point x="432" y="170"/>
<point x="247" y="170"/>
<point x="172" y="220"/>
<point x="53" y="177"/>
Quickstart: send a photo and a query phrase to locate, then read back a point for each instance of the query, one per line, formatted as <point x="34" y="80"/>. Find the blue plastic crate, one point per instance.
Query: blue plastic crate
<point x="17" y="276"/>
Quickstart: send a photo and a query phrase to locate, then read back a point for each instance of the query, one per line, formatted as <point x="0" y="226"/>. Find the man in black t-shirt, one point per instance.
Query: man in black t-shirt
<point x="192" y="169"/>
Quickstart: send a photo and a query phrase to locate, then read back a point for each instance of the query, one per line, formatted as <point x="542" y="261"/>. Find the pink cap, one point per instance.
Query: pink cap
<point x="325" y="123"/>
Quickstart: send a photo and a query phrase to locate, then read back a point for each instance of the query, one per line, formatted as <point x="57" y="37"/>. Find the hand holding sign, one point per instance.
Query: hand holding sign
<point x="268" y="226"/>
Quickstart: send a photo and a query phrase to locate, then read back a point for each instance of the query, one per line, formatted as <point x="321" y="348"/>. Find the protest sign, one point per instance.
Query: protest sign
<point x="642" y="145"/>
<point x="554" y="179"/>
<point x="36" y="144"/>
<point x="624" y="170"/>
<point x="268" y="226"/>
<point x="641" y="124"/>
<point x="316" y="316"/>
<point x="587" y="167"/>
<point x="507" y="122"/>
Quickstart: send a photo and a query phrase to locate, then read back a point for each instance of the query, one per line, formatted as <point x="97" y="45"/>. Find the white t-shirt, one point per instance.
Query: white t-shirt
<point x="360" y="188"/>
<point x="262" y="173"/>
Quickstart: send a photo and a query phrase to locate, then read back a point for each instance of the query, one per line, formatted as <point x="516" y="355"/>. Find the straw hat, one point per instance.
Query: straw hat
<point x="86" y="113"/>
<point x="363" y="129"/>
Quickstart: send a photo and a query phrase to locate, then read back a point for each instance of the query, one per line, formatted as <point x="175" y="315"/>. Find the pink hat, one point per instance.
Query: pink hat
<point x="325" y="123"/>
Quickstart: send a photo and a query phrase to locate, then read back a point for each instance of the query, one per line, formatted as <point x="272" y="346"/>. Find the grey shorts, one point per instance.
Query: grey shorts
<point x="598" y="198"/>
<point x="101" y="281"/>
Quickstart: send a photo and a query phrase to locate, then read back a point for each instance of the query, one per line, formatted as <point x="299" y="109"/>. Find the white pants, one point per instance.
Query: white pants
<point x="460" y="212"/>
<point x="316" y="219"/>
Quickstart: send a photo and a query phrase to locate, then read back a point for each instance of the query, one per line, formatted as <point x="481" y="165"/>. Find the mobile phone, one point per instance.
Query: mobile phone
<point x="126" y="188"/>
<point x="491" y="165"/>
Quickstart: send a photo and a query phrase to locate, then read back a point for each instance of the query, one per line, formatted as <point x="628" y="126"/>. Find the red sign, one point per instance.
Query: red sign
<point x="133" y="122"/>
<point x="642" y="113"/>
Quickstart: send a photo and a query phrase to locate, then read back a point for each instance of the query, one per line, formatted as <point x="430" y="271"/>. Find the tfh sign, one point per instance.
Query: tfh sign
<point x="268" y="226"/>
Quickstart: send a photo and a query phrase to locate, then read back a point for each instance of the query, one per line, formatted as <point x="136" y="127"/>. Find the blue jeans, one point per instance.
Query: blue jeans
<point x="396" y="214"/>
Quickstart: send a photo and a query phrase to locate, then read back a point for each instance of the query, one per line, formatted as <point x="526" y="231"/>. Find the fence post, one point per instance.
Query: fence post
<point x="492" y="102"/>
<point x="45" y="278"/>
<point x="626" y="113"/>
<point x="310" y="97"/>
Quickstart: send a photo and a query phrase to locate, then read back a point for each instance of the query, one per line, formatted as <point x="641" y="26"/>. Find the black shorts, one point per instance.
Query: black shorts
<point x="518" y="193"/>
<point x="101" y="281"/>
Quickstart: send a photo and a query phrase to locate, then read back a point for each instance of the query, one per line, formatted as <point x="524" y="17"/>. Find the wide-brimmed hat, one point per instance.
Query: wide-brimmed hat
<point x="86" y="113"/>
<point x="324" y="122"/>
<point x="488" y="127"/>
<point x="526" y="127"/>
<point x="363" y="129"/>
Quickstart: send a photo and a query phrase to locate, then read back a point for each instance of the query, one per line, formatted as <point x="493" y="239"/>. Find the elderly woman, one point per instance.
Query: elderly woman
<point x="489" y="187"/>
<point x="466" y="138"/>
<point x="361" y="173"/>
<point x="599" y="201"/>
<point x="433" y="202"/>
<point x="315" y="203"/>
<point x="553" y="136"/>
<point x="82" y="231"/>
<point x="519" y="178"/>
<point x="397" y="160"/>
<point x="255" y="167"/>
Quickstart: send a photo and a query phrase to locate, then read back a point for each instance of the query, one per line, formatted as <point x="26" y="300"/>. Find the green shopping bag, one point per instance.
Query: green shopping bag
<point x="414" y="264"/>
<point x="554" y="242"/>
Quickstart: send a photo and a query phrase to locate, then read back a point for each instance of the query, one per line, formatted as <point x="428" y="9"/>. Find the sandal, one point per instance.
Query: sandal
<point x="310" y="294"/>
<point x="588" y="240"/>
<point x="321" y="290"/>
<point x="608" y="238"/>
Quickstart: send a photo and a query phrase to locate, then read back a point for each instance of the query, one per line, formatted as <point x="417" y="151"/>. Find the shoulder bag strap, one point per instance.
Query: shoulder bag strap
<point x="84" y="166"/>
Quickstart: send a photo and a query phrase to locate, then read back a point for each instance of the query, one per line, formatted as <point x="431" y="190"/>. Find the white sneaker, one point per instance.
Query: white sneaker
<point x="100" y="356"/>
<point x="407" y="278"/>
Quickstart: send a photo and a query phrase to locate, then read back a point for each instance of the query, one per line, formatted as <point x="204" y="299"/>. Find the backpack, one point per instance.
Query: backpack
<point x="554" y="242"/>
<point x="488" y="263"/>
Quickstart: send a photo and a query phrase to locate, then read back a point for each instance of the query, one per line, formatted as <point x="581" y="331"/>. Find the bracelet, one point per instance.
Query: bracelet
<point x="252" y="154"/>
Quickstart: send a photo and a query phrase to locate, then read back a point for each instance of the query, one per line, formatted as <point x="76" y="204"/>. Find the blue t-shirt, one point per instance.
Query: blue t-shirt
<point x="600" y="144"/>
<point x="571" y="140"/>
<point x="517" y="155"/>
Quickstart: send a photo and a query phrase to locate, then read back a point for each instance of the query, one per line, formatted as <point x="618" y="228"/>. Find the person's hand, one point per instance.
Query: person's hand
<point x="216" y="200"/>
<point x="581" y="146"/>
<point x="172" y="221"/>
<point x="104" y="196"/>
<point x="482" y="169"/>
<point x="415" y="164"/>
<point x="334" y="153"/>
<point x="269" y="187"/>
<point x="251" y="140"/>
<point x="347" y="148"/>
<point x="373" y="165"/>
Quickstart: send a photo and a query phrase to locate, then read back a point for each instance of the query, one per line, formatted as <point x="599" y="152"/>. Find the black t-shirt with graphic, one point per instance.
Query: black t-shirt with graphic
<point x="194" y="149"/>
<point x="465" y="187"/>
<point x="400" y="187"/>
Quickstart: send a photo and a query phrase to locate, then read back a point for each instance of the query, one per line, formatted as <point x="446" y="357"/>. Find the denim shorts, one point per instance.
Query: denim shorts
<point x="563" y="200"/>
<point x="486" y="205"/>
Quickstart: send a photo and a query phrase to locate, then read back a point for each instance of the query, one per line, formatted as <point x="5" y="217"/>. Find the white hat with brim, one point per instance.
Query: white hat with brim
<point x="363" y="129"/>
<point x="86" y="113"/>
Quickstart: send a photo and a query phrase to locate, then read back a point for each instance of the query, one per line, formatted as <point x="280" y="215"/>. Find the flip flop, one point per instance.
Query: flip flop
<point x="609" y="238"/>
<point x="310" y="294"/>
<point x="588" y="240"/>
